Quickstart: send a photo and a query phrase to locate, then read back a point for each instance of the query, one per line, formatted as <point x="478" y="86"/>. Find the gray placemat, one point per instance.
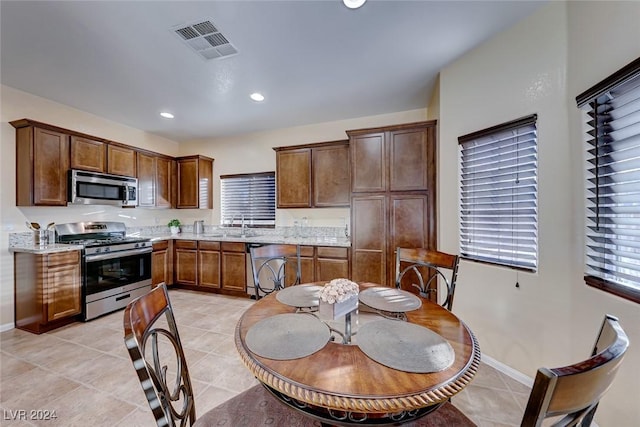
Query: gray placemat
<point x="301" y="296"/>
<point x="287" y="336"/>
<point x="405" y="346"/>
<point x="389" y="299"/>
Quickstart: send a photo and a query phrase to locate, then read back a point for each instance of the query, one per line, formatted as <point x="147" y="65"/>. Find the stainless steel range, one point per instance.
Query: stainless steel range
<point x="116" y="268"/>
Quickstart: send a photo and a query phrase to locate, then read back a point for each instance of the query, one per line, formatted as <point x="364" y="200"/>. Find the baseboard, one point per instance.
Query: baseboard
<point x="508" y="370"/>
<point x="512" y="373"/>
<point x="7" y="326"/>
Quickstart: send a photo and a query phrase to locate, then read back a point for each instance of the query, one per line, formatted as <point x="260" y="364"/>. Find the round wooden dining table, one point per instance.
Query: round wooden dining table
<point x="341" y="385"/>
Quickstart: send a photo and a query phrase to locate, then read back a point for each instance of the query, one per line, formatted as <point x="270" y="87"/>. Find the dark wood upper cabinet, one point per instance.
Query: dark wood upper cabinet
<point x="121" y="160"/>
<point x="293" y="178"/>
<point x="368" y="160"/>
<point x="195" y="186"/>
<point x="146" y="180"/>
<point x="42" y="162"/>
<point x="88" y="154"/>
<point x="313" y="175"/>
<point x="165" y="182"/>
<point x="409" y="163"/>
<point x="330" y="173"/>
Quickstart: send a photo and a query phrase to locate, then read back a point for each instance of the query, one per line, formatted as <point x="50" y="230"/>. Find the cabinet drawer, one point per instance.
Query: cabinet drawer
<point x="306" y="251"/>
<point x="162" y="245"/>
<point x="332" y="252"/>
<point x="63" y="258"/>
<point x="209" y="246"/>
<point x="233" y="247"/>
<point x="186" y="244"/>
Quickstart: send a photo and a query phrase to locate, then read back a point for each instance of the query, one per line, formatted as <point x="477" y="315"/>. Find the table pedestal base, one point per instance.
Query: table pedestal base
<point x="328" y="417"/>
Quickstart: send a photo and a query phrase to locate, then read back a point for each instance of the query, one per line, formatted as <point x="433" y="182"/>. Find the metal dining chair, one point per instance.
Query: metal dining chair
<point x="573" y="392"/>
<point x="272" y="265"/>
<point x="427" y="266"/>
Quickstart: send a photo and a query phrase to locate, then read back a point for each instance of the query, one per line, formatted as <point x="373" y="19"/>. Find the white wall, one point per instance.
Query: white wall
<point x="539" y="66"/>
<point x="254" y="152"/>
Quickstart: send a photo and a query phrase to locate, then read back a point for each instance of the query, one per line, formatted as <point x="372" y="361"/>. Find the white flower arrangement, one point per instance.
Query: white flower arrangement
<point x="338" y="290"/>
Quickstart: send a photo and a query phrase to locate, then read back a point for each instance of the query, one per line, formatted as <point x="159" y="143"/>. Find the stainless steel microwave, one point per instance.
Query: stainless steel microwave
<point x="90" y="188"/>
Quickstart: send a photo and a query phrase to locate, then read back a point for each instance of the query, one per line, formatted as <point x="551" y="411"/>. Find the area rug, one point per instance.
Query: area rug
<point x="258" y="407"/>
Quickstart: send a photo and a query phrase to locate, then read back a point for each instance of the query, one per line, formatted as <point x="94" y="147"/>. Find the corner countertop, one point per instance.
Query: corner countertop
<point x="44" y="249"/>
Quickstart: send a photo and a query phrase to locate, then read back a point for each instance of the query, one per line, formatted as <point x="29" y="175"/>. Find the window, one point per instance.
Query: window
<point x="252" y="196"/>
<point x="499" y="192"/>
<point x="612" y="232"/>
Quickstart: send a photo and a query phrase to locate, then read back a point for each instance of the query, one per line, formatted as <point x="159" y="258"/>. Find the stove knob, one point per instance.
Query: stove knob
<point x="107" y="249"/>
<point x="98" y="250"/>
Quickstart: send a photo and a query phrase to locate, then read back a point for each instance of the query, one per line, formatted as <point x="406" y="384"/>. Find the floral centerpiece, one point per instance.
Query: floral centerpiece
<point x="337" y="298"/>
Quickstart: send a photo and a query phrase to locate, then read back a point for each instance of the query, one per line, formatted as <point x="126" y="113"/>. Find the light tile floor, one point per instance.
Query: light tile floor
<point x="84" y="374"/>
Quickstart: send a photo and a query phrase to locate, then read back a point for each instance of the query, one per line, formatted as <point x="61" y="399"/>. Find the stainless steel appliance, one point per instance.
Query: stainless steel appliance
<point x="116" y="268"/>
<point x="90" y="188"/>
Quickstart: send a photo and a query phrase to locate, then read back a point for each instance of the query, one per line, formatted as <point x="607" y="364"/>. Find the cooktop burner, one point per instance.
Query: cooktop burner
<point x="97" y="234"/>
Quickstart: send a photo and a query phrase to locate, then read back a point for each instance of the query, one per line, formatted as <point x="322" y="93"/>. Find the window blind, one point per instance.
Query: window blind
<point x="499" y="192"/>
<point x="612" y="232"/>
<point x="250" y="195"/>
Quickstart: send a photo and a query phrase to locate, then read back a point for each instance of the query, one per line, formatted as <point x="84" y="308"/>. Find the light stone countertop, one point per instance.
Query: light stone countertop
<point x="44" y="249"/>
<point x="258" y="238"/>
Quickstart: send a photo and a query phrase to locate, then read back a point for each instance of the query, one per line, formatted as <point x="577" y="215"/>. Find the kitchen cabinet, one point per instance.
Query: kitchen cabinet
<point x="320" y="264"/>
<point x="186" y="262"/>
<point x="331" y="263"/>
<point x="155" y="183"/>
<point x="195" y="182"/>
<point x="47" y="290"/>
<point x="121" y="160"/>
<point x="42" y="162"/>
<point x="393" y="183"/>
<point x="162" y="263"/>
<point x="88" y="154"/>
<point x="313" y="175"/>
<point x="233" y="266"/>
<point x="209" y="264"/>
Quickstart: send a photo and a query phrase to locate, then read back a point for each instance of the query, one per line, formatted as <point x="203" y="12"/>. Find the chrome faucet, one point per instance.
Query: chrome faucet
<point x="243" y="228"/>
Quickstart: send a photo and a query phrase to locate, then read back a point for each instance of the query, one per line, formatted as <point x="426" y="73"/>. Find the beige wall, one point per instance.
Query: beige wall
<point x="539" y="66"/>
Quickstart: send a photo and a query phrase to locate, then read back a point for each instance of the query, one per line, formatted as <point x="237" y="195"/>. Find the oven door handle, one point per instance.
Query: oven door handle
<point x="116" y="254"/>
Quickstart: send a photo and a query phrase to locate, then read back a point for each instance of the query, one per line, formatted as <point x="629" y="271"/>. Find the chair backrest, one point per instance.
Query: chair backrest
<point x="574" y="391"/>
<point x="271" y="265"/>
<point x="161" y="367"/>
<point x="428" y="266"/>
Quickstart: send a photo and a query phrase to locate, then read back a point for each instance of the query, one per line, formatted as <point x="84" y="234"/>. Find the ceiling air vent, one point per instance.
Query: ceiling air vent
<point x="205" y="39"/>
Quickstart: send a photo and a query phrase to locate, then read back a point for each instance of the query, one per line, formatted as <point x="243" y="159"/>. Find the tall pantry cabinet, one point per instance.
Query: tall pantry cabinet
<point x="393" y="200"/>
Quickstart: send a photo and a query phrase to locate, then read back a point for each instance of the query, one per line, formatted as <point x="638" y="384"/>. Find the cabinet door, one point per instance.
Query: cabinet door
<point x="209" y="264"/>
<point x="88" y="155"/>
<point x="293" y="174"/>
<point x="164" y="182"/>
<point x="146" y="180"/>
<point x="162" y="263"/>
<point x="187" y="183"/>
<point x="50" y="166"/>
<point x="331" y="263"/>
<point x="331" y="185"/>
<point x="63" y="291"/>
<point x="369" y="239"/>
<point x="409" y="163"/>
<point x="121" y="160"/>
<point x="368" y="165"/>
<point x="186" y="266"/>
<point x="234" y="271"/>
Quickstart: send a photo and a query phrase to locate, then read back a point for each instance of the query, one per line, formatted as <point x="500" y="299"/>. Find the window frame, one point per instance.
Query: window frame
<point x="236" y="219"/>
<point x="530" y="120"/>
<point x="589" y="98"/>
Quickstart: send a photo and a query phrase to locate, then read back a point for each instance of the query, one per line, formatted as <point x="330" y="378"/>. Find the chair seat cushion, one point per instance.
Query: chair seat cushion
<point x="256" y="406"/>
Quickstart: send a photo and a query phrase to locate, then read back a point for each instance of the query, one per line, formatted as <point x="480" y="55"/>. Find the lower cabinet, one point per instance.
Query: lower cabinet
<point x="209" y="264"/>
<point x="47" y="290"/>
<point x="162" y="263"/>
<point x="186" y="262"/>
<point x="321" y="264"/>
<point x="234" y="266"/>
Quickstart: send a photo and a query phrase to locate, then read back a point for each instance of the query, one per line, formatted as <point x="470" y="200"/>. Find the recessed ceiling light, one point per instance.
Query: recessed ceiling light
<point x="166" y="115"/>
<point x="353" y="4"/>
<point x="256" y="96"/>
